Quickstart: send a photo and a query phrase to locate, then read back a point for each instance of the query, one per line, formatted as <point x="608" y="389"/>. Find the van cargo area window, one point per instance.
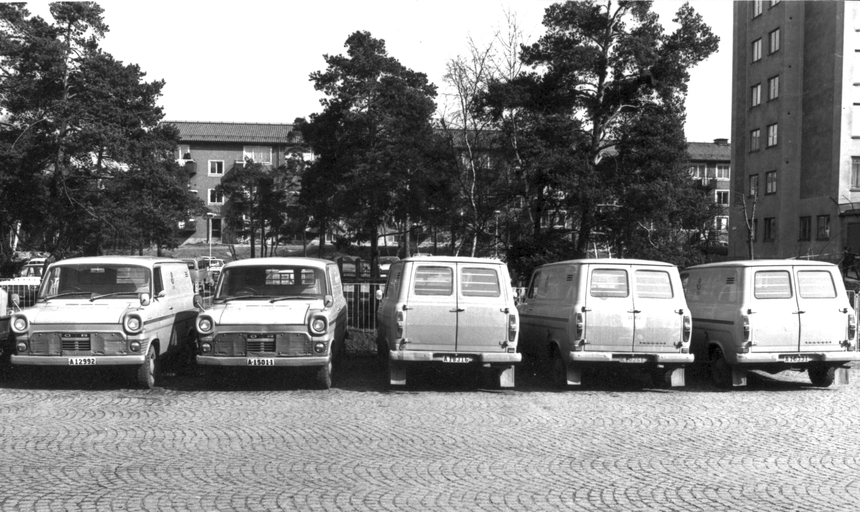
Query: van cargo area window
<point x="653" y="284"/>
<point x="815" y="284"/>
<point x="480" y="282"/>
<point x="609" y="283"/>
<point x="772" y="284"/>
<point x="434" y="281"/>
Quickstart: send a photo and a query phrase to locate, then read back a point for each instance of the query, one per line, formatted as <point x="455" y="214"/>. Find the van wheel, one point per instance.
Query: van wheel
<point x="323" y="377"/>
<point x="147" y="372"/>
<point x="721" y="371"/>
<point x="821" y="375"/>
<point x="559" y="371"/>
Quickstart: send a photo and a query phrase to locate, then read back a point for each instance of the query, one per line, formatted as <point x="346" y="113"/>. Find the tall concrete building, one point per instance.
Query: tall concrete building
<point x="795" y="130"/>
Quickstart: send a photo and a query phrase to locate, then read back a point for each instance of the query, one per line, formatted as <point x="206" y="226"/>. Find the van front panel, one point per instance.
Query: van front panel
<point x="609" y="311"/>
<point x="659" y="311"/>
<point x="431" y="309"/>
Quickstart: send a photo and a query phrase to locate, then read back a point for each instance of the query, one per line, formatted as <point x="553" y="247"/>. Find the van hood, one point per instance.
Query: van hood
<point x="256" y="313"/>
<point x="77" y="312"/>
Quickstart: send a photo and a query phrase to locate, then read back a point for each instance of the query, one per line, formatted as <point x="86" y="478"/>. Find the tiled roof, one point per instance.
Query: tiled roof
<point x="709" y="151"/>
<point x="198" y="131"/>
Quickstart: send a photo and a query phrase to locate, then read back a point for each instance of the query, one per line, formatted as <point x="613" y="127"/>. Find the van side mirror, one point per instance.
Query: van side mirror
<point x="145" y="299"/>
<point x="198" y="301"/>
<point x="379" y="294"/>
<point x="16" y="300"/>
<point x="328" y="300"/>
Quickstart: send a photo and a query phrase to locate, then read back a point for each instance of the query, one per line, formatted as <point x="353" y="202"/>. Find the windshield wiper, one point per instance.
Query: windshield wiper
<point x="291" y="297"/>
<point x="238" y="297"/>
<point x="66" y="295"/>
<point x="97" y="297"/>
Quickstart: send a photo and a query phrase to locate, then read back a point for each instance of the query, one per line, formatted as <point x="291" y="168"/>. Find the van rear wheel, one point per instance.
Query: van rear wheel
<point x="721" y="371"/>
<point x="821" y="375"/>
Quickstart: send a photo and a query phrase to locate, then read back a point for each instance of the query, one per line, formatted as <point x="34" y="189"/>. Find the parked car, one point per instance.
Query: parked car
<point x="109" y="311"/>
<point x="448" y="311"/>
<point x="607" y="312"/>
<point x="209" y="270"/>
<point x="771" y="315"/>
<point x="348" y="264"/>
<point x="275" y="312"/>
<point x="25" y="284"/>
<point x="385" y="264"/>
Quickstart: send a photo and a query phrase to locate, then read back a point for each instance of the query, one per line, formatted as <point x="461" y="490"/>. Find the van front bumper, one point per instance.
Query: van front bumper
<point x="136" y="359"/>
<point x="796" y="357"/>
<point x="430" y="357"/>
<point x="275" y="361"/>
<point x="630" y="357"/>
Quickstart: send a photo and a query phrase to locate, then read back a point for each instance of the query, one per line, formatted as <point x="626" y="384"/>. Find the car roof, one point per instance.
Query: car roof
<point x="145" y="261"/>
<point x="611" y="261"/>
<point x="453" y="259"/>
<point x="279" y="260"/>
<point x="763" y="263"/>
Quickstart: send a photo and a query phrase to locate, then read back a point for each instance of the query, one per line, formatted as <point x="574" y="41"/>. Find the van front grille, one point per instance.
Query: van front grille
<point x="259" y="343"/>
<point x="75" y="342"/>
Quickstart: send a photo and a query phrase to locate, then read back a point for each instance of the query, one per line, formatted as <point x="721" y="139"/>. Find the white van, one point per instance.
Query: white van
<point x="771" y="315"/>
<point x="451" y="311"/>
<point x="603" y="312"/>
<point x="108" y="311"/>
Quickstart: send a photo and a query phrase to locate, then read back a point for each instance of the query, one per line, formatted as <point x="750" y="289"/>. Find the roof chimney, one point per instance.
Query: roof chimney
<point x="721" y="142"/>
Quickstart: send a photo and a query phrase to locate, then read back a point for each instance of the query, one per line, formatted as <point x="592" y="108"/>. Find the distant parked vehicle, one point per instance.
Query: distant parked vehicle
<point x="385" y="264"/>
<point x="25" y="284"/>
<point x="275" y="312"/>
<point x="209" y="270"/>
<point x="109" y="311"/>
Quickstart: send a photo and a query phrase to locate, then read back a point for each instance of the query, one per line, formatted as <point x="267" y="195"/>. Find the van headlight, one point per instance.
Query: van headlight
<point x="204" y="324"/>
<point x="132" y="324"/>
<point x="318" y="325"/>
<point x="20" y="324"/>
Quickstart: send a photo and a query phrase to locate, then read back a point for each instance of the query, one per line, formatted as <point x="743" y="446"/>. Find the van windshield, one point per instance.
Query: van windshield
<point x="272" y="282"/>
<point x="89" y="279"/>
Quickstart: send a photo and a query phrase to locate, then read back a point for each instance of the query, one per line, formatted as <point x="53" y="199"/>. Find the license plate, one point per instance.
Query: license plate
<point x="795" y="359"/>
<point x="82" y="361"/>
<point x="632" y="360"/>
<point x="456" y="359"/>
<point x="261" y="361"/>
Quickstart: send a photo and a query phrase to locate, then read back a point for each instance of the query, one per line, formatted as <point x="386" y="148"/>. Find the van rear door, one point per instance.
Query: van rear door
<point x="822" y="322"/>
<point x="482" y="312"/>
<point x="431" y="308"/>
<point x="658" y="323"/>
<point x="773" y="311"/>
<point x="609" y="311"/>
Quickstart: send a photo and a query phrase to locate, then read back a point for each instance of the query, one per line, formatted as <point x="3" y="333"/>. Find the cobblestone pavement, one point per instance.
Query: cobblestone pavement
<point x="271" y="443"/>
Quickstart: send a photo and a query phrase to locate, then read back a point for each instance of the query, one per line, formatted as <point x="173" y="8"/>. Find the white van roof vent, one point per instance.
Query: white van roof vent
<point x="730" y="280"/>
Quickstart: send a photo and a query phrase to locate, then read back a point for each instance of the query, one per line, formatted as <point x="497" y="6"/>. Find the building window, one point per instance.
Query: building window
<point x="823" y="232"/>
<point x="774" y="3"/>
<point x="774" y="41"/>
<point x="216" y="167"/>
<point x="183" y="152"/>
<point x="755" y="95"/>
<point x="855" y="172"/>
<point x="215" y="196"/>
<point x="769" y="229"/>
<point x="215" y="232"/>
<point x="756" y="50"/>
<point x="698" y="171"/>
<point x="772" y="135"/>
<point x="773" y="88"/>
<point x="754" y="185"/>
<point x="755" y="140"/>
<point x="723" y="171"/>
<point x="723" y="197"/>
<point x="770" y="182"/>
<point x="721" y="223"/>
<point x="259" y="154"/>
<point x="805" y="228"/>
<point x="757" y="7"/>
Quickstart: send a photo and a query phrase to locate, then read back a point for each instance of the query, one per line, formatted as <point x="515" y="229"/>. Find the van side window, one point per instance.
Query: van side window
<point x="534" y="287"/>
<point x="772" y="284"/>
<point x="480" y="282"/>
<point x="609" y="283"/>
<point x="685" y="278"/>
<point x="434" y="281"/>
<point x="653" y="284"/>
<point x="815" y="284"/>
<point x="393" y="281"/>
<point x="159" y="284"/>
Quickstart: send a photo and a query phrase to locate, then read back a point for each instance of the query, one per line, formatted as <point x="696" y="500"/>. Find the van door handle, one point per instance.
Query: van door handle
<point x="457" y="310"/>
<point x="407" y="308"/>
<point x="585" y="309"/>
<point x="635" y="311"/>
<point x="799" y="312"/>
<point x="843" y="310"/>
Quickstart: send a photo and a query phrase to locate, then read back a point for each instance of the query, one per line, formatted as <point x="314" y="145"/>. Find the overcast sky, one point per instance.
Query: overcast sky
<point x="250" y="60"/>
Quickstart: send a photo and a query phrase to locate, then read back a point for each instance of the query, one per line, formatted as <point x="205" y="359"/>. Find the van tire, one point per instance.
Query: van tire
<point x="558" y="371"/>
<point x="821" y="375"/>
<point x="323" y="377"/>
<point x="721" y="371"/>
<point x="148" y="371"/>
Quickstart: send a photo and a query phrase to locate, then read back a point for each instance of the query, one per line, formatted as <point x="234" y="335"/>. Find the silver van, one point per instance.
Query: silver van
<point x="607" y="312"/>
<point x="448" y="311"/>
<point x="109" y="311"/>
<point x="771" y="315"/>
